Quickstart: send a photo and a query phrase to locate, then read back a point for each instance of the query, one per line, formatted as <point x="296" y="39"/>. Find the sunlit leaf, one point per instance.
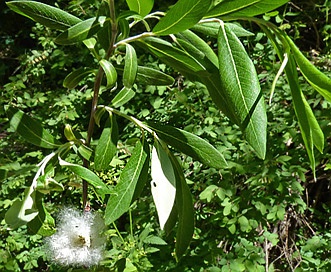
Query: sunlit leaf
<point x="130" y="66"/>
<point x="110" y="72"/>
<point x="150" y="76"/>
<point x="212" y="29"/>
<point x="124" y="96"/>
<point x="142" y="7"/>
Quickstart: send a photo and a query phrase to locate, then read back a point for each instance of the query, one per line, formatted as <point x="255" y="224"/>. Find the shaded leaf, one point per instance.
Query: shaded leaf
<point x="124" y="96"/>
<point x="46" y="15"/>
<point x="190" y="144"/>
<point x="75" y="77"/>
<point x="212" y="29"/>
<point x="120" y="201"/>
<point x="130" y="66"/>
<point x="142" y="7"/>
<point x="30" y="129"/>
<point x="183" y="15"/>
<point x="110" y="72"/>
<point x="150" y="76"/>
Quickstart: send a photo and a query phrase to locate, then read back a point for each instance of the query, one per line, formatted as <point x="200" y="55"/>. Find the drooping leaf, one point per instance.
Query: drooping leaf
<point x="87" y="175"/>
<point x="79" y="32"/>
<point x="124" y="96"/>
<point x="183" y="15"/>
<point x="142" y="7"/>
<point x="30" y="129"/>
<point x="190" y="144"/>
<point x="107" y="145"/>
<point x="130" y="67"/>
<point x="119" y="202"/>
<point x="319" y="81"/>
<point x="241" y="90"/>
<point x="110" y="72"/>
<point x="163" y="184"/>
<point x="76" y="76"/>
<point x="240" y="8"/>
<point x="46" y="15"/>
<point x="150" y="76"/>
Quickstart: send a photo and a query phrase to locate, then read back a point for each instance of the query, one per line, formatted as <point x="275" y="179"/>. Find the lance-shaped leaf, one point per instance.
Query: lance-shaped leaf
<point x="150" y="76"/>
<point x="124" y="96"/>
<point x="240" y="8"/>
<point x="87" y="175"/>
<point x="163" y="184"/>
<point x="46" y="15"/>
<point x="184" y="208"/>
<point x="190" y="144"/>
<point x="183" y="15"/>
<point x="120" y="201"/>
<point x="75" y="77"/>
<point x="142" y="7"/>
<point x="130" y="66"/>
<point x="79" y="32"/>
<point x="319" y="81"/>
<point x="212" y="29"/>
<point x="241" y="89"/>
<point x="107" y="145"/>
<point x="30" y="129"/>
<point x="110" y="72"/>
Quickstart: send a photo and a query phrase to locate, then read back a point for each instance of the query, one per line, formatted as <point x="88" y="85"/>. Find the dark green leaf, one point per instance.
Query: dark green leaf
<point x="30" y="129"/>
<point x="212" y="28"/>
<point x="110" y="72"/>
<point x="46" y="15"/>
<point x="119" y="202"/>
<point x="107" y="145"/>
<point x="124" y="96"/>
<point x="142" y="7"/>
<point x="130" y="67"/>
<point x="150" y="76"/>
<point x="190" y="144"/>
<point x="79" y="32"/>
<point x="183" y="15"/>
<point x="240" y="8"/>
<point x="241" y="91"/>
<point x="75" y="77"/>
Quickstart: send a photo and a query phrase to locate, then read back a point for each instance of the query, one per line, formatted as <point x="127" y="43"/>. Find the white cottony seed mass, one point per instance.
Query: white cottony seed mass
<point x="77" y="241"/>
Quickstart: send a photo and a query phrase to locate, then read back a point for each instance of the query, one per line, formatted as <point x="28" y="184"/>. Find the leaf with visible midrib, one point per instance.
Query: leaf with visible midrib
<point x="46" y="15"/>
<point x="142" y="7"/>
<point x="240" y="86"/>
<point x="183" y="15"/>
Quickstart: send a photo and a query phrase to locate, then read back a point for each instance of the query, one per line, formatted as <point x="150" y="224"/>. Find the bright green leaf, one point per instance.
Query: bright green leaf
<point x="110" y="72"/>
<point x="142" y="7"/>
<point x="76" y="76"/>
<point x="183" y="15"/>
<point x="190" y="144"/>
<point x="130" y="66"/>
<point x="49" y="16"/>
<point x="124" y="96"/>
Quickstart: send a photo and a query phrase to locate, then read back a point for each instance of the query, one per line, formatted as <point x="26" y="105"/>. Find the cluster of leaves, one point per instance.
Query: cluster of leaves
<point x="246" y="205"/>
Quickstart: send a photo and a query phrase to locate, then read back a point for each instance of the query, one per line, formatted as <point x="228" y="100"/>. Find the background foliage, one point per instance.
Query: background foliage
<point x="255" y="215"/>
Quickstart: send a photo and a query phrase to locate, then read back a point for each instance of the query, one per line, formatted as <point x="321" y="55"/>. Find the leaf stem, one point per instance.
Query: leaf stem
<point x="96" y="89"/>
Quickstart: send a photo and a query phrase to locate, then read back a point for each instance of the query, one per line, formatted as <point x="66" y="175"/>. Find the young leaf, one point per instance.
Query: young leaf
<point x="248" y="8"/>
<point x="163" y="183"/>
<point x="130" y="67"/>
<point x="319" y="81"/>
<point x="46" y="15"/>
<point x="30" y="129"/>
<point x="120" y="201"/>
<point x="241" y="90"/>
<point x="110" y="72"/>
<point x="107" y="145"/>
<point x="124" y="96"/>
<point x="75" y="77"/>
<point x="150" y="76"/>
<point x="183" y="15"/>
<point x="79" y="32"/>
<point x="142" y="7"/>
<point x="190" y="144"/>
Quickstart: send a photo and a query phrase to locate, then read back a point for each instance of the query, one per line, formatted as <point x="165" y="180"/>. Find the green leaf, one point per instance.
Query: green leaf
<point x="124" y="96"/>
<point x="30" y="129"/>
<point x="150" y="76"/>
<point x="241" y="93"/>
<point x="212" y="29"/>
<point x="110" y="72"/>
<point x="241" y="8"/>
<point x="79" y="32"/>
<point x="319" y="81"/>
<point x="183" y="15"/>
<point x="87" y="175"/>
<point x="119" y="202"/>
<point x="130" y="67"/>
<point x="107" y="145"/>
<point x="190" y="144"/>
<point x="44" y="14"/>
<point x="142" y="7"/>
<point x="163" y="183"/>
<point x="75" y="77"/>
